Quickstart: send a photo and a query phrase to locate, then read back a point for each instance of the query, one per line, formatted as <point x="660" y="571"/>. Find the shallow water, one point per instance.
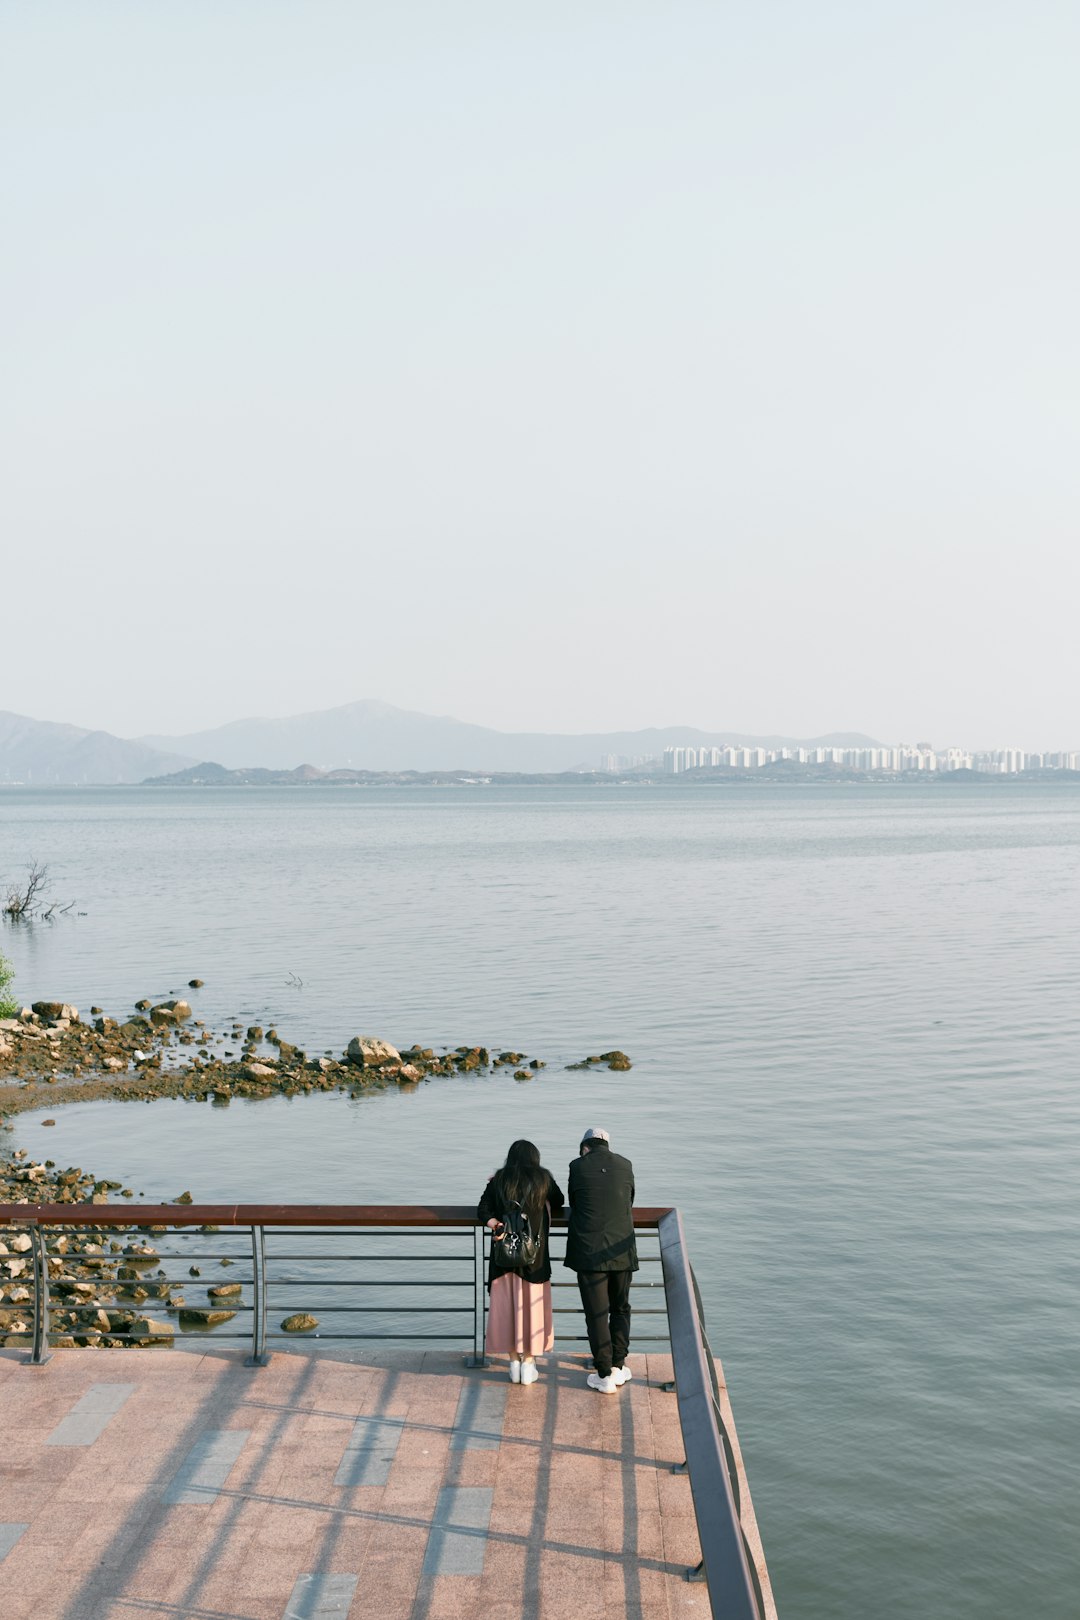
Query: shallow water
<point x="854" y="1021"/>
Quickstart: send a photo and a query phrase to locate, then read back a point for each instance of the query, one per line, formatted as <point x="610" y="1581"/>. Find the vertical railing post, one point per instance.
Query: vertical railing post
<point x="39" y="1348"/>
<point x="258" y="1356"/>
<point x="478" y="1358"/>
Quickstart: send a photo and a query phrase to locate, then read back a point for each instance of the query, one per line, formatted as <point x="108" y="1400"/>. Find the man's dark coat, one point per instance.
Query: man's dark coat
<point x="601" y="1225"/>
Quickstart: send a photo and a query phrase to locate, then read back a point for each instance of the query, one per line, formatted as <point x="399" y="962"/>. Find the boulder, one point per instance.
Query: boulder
<point x="200" y="1316"/>
<point x="225" y="1291"/>
<point x="371" y="1053"/>
<point x="162" y="1015"/>
<point x="616" y="1060"/>
<point x="56" y="1009"/>
<point x="258" y="1071"/>
<point x="300" y="1322"/>
<point x="179" y="1009"/>
<point x="144" y="1330"/>
<point x="195" y="984"/>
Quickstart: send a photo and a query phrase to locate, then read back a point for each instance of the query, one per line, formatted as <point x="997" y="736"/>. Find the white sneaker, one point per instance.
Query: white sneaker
<point x="530" y="1372"/>
<point x="621" y="1375"/>
<point x="606" y="1386"/>
<point x="515" y="1372"/>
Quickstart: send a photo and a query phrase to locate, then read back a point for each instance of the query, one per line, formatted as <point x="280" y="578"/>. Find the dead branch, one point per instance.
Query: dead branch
<point x="26" y="899"/>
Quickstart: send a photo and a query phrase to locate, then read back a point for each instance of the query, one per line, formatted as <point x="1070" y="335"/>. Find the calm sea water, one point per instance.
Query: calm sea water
<point x="854" y="1016"/>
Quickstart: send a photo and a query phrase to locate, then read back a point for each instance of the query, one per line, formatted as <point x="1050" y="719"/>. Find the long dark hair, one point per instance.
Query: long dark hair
<point x="523" y="1179"/>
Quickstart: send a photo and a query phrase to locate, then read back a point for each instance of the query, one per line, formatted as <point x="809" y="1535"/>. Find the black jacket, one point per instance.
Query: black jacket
<point x="491" y="1205"/>
<point x="600" y="1234"/>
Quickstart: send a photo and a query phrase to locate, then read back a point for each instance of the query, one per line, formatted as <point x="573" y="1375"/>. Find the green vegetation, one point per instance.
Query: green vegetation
<point x="8" y="1005"/>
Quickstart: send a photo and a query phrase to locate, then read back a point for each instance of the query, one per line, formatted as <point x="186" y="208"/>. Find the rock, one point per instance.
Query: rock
<point x="371" y="1053"/>
<point x="144" y="1330"/>
<point x="179" y="1009"/>
<point x="142" y="1006"/>
<point x="616" y="1060"/>
<point x="201" y="1316"/>
<point x="225" y="1290"/>
<point x="410" y="1073"/>
<point x="258" y="1071"/>
<point x="113" y="1064"/>
<point x="162" y="1015"/>
<point x="56" y="1009"/>
<point x="300" y="1322"/>
<point x="195" y="984"/>
<point x="21" y="1243"/>
<point x="183" y="1198"/>
<point x="48" y="1122"/>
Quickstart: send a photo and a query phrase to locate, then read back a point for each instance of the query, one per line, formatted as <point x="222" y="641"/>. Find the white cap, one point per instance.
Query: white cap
<point x="596" y="1134"/>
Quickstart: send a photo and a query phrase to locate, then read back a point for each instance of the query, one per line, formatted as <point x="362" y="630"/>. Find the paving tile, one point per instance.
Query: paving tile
<point x="369" y="1452"/>
<point x="206" y="1467"/>
<point x="320" y="1597"/>
<point x="459" y="1531"/>
<point x="9" y="1535"/>
<point x="478" y="1421"/>
<point x="88" y="1417"/>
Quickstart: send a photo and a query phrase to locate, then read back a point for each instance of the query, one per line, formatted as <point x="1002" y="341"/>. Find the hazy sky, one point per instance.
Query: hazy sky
<point x="556" y="366"/>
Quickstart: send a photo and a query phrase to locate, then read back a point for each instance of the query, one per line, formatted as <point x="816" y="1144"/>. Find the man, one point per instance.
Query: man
<point x="601" y="1248"/>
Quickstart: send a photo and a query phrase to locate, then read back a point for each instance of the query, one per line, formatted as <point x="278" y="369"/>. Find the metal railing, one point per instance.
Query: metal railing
<point x="727" y="1566"/>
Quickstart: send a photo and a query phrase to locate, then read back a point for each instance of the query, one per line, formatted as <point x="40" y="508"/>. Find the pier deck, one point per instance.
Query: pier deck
<point x="183" y="1485"/>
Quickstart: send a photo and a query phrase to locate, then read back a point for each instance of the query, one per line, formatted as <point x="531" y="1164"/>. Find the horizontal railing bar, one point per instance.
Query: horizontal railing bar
<point x="368" y="1282"/>
<point x="639" y="1310"/>
<point x="377" y="1259"/>
<point x="360" y="1338"/>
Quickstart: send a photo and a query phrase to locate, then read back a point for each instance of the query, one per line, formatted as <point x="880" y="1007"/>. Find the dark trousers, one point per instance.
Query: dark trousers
<point x="605" y="1298"/>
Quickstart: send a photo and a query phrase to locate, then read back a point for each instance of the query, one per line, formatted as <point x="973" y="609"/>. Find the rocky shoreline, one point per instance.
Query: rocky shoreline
<point x="49" y="1055"/>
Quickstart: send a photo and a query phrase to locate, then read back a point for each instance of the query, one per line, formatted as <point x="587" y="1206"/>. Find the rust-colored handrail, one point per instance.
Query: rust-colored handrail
<point x="130" y="1214"/>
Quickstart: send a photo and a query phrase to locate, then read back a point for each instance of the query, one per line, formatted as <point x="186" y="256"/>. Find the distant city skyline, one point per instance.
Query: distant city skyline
<point x="905" y="757"/>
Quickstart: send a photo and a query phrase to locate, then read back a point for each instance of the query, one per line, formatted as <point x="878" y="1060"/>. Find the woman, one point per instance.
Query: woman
<point x="519" y="1317"/>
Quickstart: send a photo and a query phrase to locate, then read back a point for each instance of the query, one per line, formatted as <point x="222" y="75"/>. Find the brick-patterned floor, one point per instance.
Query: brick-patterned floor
<point x="205" y="1490"/>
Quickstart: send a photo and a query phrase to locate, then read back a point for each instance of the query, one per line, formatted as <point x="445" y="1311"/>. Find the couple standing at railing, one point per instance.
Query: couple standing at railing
<point x="517" y="1205"/>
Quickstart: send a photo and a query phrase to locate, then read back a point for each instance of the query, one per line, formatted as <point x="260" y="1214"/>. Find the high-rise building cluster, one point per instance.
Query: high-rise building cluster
<point x="920" y="757"/>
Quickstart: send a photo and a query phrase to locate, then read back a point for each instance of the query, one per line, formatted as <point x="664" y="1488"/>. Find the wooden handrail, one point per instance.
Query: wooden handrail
<point x="132" y="1214"/>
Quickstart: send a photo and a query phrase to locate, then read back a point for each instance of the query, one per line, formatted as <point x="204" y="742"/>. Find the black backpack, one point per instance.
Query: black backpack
<point x="517" y="1247"/>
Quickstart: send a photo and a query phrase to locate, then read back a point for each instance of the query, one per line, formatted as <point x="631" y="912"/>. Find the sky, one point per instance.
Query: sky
<point x="555" y="366"/>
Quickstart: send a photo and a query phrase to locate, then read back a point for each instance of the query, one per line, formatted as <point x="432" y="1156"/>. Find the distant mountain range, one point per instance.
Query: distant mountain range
<point x="43" y="753"/>
<point x="375" y="736"/>
<point x="364" y="736"/>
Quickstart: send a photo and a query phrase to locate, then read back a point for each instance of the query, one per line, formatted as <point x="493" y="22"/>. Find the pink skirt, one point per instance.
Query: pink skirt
<point x="519" y="1317"/>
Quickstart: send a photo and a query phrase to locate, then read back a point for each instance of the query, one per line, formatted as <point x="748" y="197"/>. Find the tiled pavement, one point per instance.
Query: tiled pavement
<point x="169" y="1485"/>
